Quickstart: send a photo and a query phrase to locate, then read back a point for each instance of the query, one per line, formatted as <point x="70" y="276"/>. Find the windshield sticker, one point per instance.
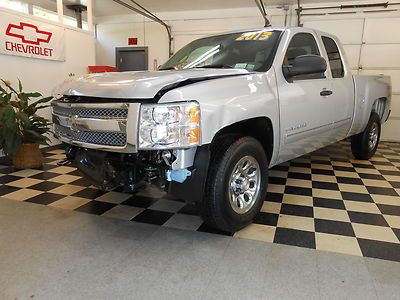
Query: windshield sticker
<point x="241" y="66"/>
<point x="244" y="66"/>
<point x="255" y="36"/>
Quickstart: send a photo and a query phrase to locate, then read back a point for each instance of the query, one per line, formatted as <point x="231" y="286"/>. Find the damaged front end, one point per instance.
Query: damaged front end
<point x="128" y="145"/>
<point x="109" y="170"/>
<point x="181" y="173"/>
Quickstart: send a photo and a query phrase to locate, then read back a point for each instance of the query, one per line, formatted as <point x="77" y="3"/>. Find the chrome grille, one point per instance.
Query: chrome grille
<point x="92" y="137"/>
<point x="100" y="125"/>
<point x="92" y="113"/>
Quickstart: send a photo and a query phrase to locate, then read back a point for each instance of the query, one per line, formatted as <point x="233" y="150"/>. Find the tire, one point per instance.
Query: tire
<point x="239" y="154"/>
<point x="364" y="144"/>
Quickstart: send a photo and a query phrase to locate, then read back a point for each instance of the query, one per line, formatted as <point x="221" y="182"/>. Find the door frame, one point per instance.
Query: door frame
<point x="292" y="136"/>
<point x="130" y="49"/>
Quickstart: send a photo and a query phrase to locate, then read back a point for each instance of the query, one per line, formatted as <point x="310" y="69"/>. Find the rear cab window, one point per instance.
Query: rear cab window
<point x="334" y="57"/>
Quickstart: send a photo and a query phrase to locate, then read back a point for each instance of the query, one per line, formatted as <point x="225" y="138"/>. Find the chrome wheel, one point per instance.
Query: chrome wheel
<point x="373" y="136"/>
<point x="244" y="184"/>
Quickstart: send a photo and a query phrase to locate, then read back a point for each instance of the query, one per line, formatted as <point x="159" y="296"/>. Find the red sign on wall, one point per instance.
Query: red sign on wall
<point x="132" y="41"/>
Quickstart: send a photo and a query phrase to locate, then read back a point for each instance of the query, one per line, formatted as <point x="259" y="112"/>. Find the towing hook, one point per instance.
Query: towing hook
<point x="166" y="156"/>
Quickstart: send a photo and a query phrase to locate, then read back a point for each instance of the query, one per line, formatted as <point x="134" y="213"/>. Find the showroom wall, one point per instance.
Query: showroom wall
<point x="366" y="37"/>
<point x="44" y="75"/>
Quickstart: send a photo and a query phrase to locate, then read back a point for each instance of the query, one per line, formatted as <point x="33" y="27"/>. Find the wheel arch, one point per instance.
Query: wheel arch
<point x="260" y="128"/>
<point x="380" y="107"/>
<point x="193" y="189"/>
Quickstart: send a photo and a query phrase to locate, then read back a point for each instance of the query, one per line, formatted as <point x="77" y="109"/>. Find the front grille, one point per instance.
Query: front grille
<point x="92" y="113"/>
<point x="91" y="137"/>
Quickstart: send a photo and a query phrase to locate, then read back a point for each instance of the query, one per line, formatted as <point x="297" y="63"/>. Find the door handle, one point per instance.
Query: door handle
<point x="326" y="93"/>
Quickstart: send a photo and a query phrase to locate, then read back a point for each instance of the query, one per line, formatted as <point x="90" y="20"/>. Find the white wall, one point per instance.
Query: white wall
<point x="42" y="75"/>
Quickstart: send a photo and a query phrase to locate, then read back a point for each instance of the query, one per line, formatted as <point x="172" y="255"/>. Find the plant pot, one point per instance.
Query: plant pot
<point x="28" y="156"/>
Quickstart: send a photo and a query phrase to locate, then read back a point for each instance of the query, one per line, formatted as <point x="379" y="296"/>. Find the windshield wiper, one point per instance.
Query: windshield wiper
<point x="169" y="68"/>
<point x="217" y="66"/>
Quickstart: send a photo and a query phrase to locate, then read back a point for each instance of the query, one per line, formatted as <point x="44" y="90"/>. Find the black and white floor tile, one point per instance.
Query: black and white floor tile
<point x="324" y="200"/>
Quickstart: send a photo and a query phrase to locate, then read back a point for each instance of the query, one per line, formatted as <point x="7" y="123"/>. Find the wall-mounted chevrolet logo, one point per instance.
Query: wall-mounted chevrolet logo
<point x="28" y="33"/>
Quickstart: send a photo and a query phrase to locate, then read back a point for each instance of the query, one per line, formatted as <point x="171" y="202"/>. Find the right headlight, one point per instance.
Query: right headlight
<point x="170" y="125"/>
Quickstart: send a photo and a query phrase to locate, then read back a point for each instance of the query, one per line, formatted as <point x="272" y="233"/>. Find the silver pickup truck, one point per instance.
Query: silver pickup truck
<point x="217" y="115"/>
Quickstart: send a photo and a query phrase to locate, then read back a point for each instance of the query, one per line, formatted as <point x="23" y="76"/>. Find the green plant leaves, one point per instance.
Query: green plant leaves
<point x="9" y="139"/>
<point x="34" y="107"/>
<point x="18" y="120"/>
<point x="32" y="95"/>
<point x="9" y="118"/>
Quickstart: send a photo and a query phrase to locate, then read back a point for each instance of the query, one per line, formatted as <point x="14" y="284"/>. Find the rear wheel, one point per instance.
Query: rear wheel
<point x="236" y="184"/>
<point x="364" y="144"/>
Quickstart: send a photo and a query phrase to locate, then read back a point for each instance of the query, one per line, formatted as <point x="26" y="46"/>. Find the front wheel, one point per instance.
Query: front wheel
<point x="236" y="184"/>
<point x="364" y="144"/>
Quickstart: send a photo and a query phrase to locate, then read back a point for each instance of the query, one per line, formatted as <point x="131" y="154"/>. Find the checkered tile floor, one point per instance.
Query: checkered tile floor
<point x="325" y="200"/>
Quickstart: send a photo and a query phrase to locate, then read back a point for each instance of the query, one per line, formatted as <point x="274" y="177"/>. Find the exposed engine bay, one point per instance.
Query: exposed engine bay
<point x="131" y="171"/>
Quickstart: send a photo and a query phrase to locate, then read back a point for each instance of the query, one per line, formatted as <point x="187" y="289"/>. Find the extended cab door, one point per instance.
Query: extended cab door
<point x="304" y="116"/>
<point x="341" y="103"/>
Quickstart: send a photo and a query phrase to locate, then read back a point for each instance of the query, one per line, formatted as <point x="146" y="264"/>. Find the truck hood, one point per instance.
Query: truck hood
<point x="137" y="85"/>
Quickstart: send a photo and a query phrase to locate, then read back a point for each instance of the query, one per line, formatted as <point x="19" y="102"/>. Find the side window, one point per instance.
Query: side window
<point x="335" y="61"/>
<point x="301" y="44"/>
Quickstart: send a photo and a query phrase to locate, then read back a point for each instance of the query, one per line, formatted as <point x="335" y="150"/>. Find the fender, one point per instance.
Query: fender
<point x="230" y="100"/>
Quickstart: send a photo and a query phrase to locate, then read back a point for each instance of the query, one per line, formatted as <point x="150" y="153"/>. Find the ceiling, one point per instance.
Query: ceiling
<point x="108" y="7"/>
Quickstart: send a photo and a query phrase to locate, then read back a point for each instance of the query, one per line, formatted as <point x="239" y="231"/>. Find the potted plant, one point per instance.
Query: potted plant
<point x="21" y="129"/>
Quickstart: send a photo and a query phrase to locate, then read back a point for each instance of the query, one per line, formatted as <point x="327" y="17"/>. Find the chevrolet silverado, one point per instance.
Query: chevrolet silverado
<point x="208" y="125"/>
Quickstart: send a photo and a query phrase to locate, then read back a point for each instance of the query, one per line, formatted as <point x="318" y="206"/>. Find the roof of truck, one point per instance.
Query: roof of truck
<point x="280" y="28"/>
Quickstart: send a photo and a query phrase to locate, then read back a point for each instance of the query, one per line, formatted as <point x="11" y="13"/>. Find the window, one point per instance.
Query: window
<point x="70" y="21"/>
<point x="335" y="61"/>
<point x="301" y="44"/>
<point x="253" y="51"/>
<point x="75" y="14"/>
<point x="45" y="13"/>
<point x="15" y="5"/>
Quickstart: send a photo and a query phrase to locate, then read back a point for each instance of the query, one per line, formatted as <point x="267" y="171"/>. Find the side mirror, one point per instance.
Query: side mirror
<point x="306" y="65"/>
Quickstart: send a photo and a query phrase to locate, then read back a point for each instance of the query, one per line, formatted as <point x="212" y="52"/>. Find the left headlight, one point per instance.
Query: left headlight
<point x="170" y="125"/>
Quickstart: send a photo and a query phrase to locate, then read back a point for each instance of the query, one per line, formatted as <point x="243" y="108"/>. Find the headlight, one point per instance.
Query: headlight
<point x="170" y="125"/>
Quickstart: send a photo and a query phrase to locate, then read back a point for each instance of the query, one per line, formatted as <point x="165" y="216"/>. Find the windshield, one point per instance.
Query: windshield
<point x="253" y="51"/>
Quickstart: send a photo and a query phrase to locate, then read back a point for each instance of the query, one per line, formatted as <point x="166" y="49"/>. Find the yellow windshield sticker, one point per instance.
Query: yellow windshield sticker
<point x="255" y="36"/>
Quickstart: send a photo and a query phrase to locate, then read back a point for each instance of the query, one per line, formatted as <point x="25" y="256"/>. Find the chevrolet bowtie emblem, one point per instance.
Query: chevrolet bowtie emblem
<point x="73" y="123"/>
<point x="28" y="33"/>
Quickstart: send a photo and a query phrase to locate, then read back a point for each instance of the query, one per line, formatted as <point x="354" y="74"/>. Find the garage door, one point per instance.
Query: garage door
<point x="371" y="49"/>
<point x="188" y="30"/>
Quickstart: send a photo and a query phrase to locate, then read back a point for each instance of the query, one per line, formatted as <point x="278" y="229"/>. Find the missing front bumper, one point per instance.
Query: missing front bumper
<point x="109" y="171"/>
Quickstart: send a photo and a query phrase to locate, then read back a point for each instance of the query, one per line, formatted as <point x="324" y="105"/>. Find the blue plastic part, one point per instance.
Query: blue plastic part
<point x="178" y="175"/>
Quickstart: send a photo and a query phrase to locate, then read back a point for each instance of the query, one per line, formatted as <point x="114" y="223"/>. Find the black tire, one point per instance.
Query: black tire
<point x="216" y="209"/>
<point x="360" y="143"/>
